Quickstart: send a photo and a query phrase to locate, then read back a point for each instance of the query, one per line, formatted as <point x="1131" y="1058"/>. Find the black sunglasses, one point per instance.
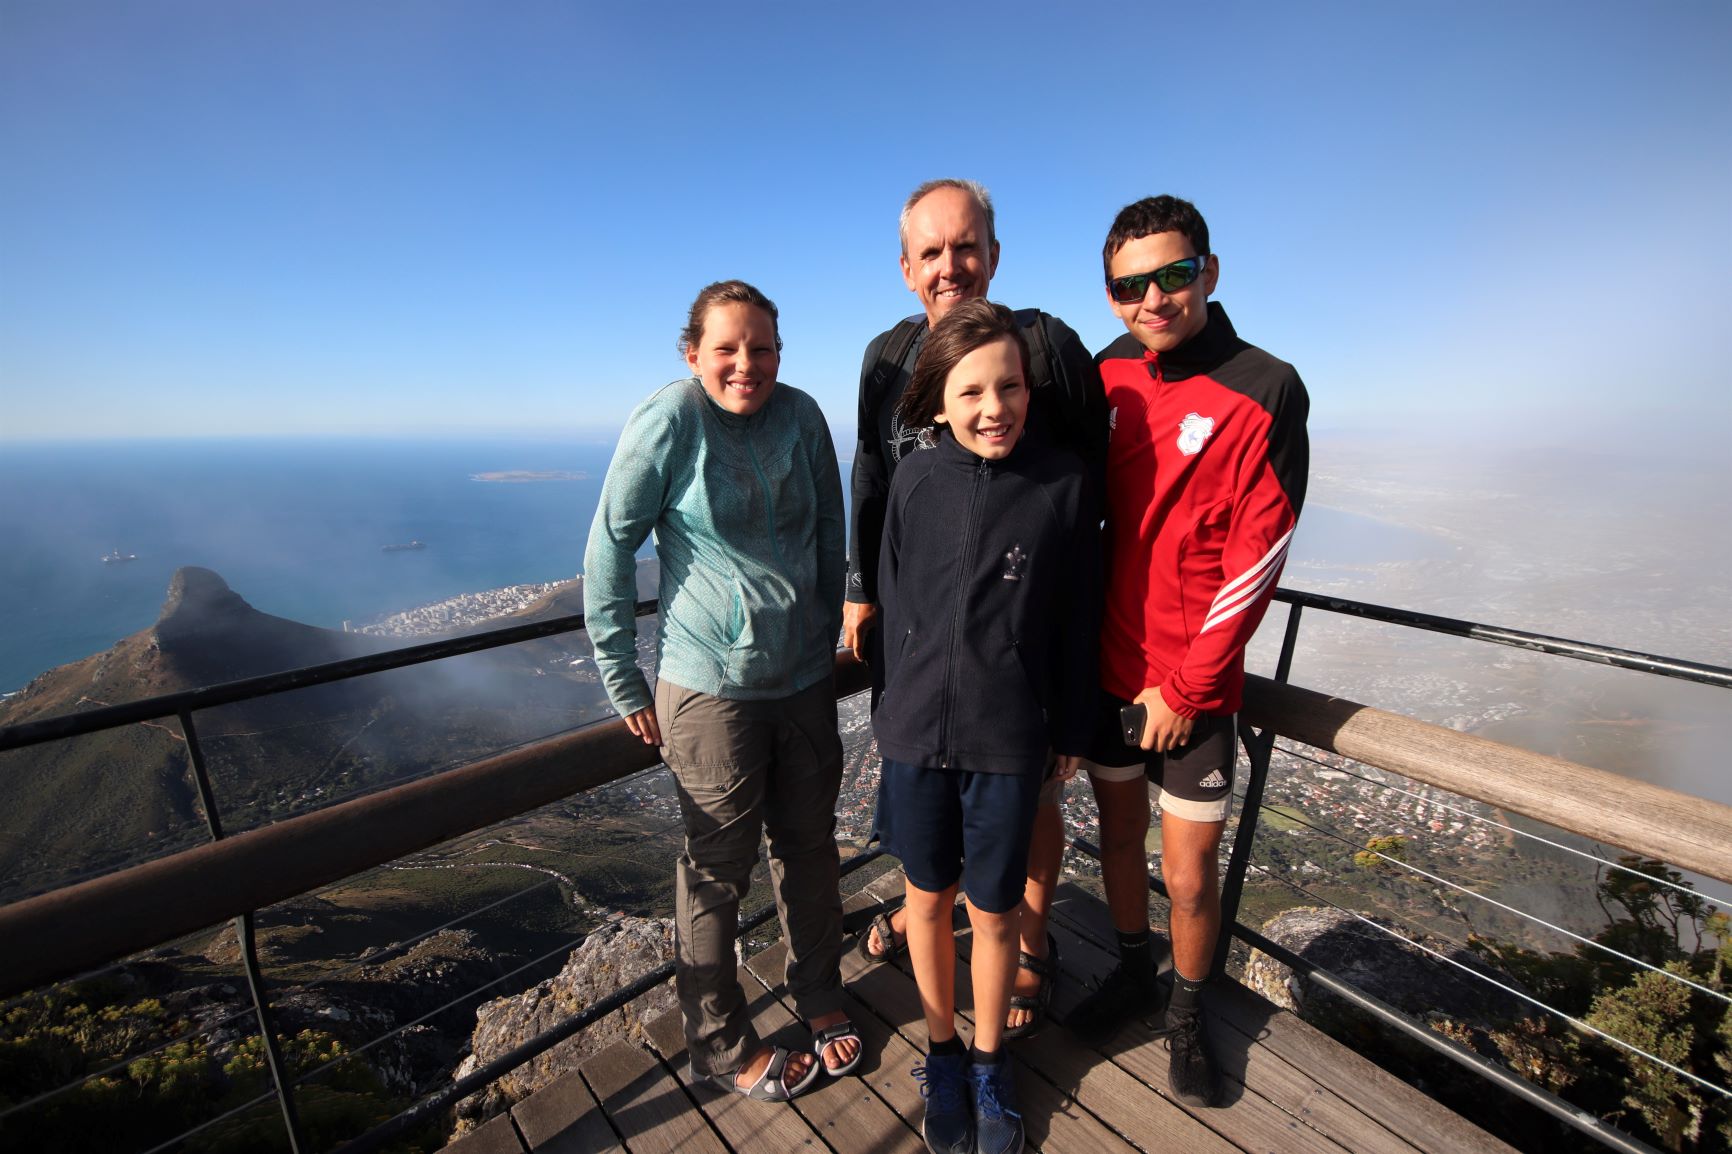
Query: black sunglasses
<point x="1169" y="278"/>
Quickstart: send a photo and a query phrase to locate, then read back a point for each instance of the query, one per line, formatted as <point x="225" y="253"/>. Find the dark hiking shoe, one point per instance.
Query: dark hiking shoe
<point x="1121" y="996"/>
<point x="949" y="1124"/>
<point x="997" y="1118"/>
<point x="1192" y="1074"/>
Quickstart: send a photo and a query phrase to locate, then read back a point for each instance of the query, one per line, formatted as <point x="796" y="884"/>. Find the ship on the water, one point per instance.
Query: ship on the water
<point x="404" y="547"/>
<point x="115" y="557"/>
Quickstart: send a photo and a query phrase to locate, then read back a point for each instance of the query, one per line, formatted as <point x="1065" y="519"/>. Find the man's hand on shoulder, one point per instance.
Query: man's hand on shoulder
<point x="858" y="619"/>
<point x="1164" y="729"/>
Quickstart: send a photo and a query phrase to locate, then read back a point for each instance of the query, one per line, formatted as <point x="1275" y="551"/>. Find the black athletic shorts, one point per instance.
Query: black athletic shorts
<point x="1194" y="781"/>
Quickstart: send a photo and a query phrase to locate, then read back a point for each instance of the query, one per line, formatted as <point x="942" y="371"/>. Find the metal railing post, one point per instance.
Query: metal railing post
<point x="249" y="949"/>
<point x="1258" y="748"/>
<point x="200" y="776"/>
<point x="1289" y="641"/>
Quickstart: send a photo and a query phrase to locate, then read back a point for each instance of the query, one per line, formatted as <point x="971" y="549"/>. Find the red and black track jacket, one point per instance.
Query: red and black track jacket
<point x="1206" y="469"/>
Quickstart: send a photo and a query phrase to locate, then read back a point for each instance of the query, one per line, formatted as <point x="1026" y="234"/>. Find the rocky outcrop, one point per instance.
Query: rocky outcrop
<point x="209" y="633"/>
<point x="1380" y="965"/>
<point x="613" y="956"/>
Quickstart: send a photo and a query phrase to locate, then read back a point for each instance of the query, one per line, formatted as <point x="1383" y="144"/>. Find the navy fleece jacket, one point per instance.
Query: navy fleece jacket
<point x="989" y="579"/>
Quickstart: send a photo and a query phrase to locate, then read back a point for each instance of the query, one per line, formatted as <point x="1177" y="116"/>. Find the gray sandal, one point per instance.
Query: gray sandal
<point x="840" y="1032"/>
<point x="769" y="1086"/>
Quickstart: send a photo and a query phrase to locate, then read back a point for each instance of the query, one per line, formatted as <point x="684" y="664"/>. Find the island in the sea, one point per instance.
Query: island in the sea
<point x="522" y="476"/>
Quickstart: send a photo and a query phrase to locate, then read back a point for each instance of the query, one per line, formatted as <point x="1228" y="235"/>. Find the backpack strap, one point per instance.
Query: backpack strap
<point x="1047" y="368"/>
<point x="891" y="358"/>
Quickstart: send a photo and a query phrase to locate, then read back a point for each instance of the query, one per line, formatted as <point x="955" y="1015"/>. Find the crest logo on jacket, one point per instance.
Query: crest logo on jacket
<point x="906" y="439"/>
<point x="1013" y="562"/>
<point x="1193" y="431"/>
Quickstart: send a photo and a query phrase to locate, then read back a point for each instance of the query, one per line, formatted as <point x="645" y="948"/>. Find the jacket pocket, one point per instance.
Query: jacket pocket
<point x="766" y="648"/>
<point x="706" y="607"/>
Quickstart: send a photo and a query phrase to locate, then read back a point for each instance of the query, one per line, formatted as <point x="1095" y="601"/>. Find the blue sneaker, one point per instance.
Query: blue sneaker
<point x="948" y="1127"/>
<point x="997" y="1117"/>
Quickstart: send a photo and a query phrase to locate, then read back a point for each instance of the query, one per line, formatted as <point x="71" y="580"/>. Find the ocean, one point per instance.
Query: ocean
<point x="297" y="527"/>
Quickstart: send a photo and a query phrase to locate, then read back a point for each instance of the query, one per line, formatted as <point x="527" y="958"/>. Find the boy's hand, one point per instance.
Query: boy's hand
<point x="1165" y="729"/>
<point x="643" y="724"/>
<point x="1065" y="765"/>
<point x="858" y="619"/>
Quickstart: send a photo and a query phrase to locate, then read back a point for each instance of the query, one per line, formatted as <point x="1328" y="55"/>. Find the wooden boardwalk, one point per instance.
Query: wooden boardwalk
<point x="1289" y="1089"/>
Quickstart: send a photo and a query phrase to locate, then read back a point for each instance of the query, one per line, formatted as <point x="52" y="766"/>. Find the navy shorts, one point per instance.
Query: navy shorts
<point x="948" y="825"/>
<point x="1194" y="781"/>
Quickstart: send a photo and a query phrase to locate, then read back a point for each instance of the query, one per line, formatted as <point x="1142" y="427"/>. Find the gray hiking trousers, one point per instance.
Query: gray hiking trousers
<point x="744" y="768"/>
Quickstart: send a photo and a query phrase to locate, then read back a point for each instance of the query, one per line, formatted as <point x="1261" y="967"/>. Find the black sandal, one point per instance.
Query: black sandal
<point x="887" y="937"/>
<point x="1037" y="1005"/>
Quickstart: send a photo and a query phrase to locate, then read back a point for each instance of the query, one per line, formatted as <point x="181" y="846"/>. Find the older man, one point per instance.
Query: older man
<point x="949" y="254"/>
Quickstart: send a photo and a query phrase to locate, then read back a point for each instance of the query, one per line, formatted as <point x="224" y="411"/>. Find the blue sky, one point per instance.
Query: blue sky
<point x="425" y="216"/>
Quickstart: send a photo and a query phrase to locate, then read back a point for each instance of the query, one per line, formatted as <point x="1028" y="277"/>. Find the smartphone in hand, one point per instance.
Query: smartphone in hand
<point x="1133" y="719"/>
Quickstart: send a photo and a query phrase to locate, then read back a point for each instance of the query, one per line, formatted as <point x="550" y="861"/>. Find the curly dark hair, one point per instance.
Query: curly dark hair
<point x="1150" y="215"/>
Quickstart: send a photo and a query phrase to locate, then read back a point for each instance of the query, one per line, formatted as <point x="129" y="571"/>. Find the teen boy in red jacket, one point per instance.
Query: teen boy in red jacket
<point x="1206" y="468"/>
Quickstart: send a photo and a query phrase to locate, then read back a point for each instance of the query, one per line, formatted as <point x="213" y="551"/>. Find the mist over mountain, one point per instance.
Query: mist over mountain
<point x="96" y="802"/>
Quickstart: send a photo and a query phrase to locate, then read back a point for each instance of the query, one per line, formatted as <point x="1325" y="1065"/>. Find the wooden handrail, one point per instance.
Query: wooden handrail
<point x="79" y="927"/>
<point x="1680" y="829"/>
<point x="83" y="926"/>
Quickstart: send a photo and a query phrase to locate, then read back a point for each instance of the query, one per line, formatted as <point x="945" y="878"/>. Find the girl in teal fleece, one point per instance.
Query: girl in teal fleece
<point x="736" y="476"/>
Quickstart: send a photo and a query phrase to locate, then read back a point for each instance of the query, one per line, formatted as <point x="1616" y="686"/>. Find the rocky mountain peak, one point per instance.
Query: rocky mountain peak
<point x="199" y="601"/>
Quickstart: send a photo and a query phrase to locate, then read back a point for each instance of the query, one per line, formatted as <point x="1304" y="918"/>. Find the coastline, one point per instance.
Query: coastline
<point x="457" y="612"/>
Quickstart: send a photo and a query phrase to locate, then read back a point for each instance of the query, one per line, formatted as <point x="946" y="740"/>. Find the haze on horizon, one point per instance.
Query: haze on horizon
<point x="1508" y="297"/>
<point x="1471" y="222"/>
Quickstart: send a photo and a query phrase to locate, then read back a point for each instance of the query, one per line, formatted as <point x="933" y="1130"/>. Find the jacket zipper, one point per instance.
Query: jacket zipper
<point x="964" y="571"/>
<point x="769" y="502"/>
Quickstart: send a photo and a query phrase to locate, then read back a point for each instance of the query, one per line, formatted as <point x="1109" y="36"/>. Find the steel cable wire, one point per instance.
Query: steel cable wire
<point x="1483" y="820"/>
<point x="1637" y="962"/>
<point x="1585" y="1027"/>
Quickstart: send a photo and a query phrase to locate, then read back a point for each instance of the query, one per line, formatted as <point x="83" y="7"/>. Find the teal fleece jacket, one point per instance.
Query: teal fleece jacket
<point x="748" y="523"/>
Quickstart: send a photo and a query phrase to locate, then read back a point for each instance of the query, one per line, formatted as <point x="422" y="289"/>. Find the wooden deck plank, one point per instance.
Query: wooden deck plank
<point x="1256" y="1070"/>
<point x="845" y="1111"/>
<point x="1117" y="1100"/>
<point x="1291" y="1090"/>
<point x="645" y="1104"/>
<point x="869" y="985"/>
<point x="1424" y="1122"/>
<point x="743" y="1123"/>
<point x="1418" y="1120"/>
<point x="1121" y="1102"/>
<point x="495" y="1136"/>
<point x="1246" y="1118"/>
<point x="564" y="1118"/>
<point x="1053" y="1120"/>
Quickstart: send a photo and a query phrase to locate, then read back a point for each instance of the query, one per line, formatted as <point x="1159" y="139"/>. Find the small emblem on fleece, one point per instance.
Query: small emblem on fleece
<point x="1193" y="431"/>
<point x="909" y="438"/>
<point x="1112" y="420"/>
<point x="1013" y="563"/>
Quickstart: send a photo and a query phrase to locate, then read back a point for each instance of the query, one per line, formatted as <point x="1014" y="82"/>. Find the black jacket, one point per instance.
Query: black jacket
<point x="1066" y="405"/>
<point x="989" y="578"/>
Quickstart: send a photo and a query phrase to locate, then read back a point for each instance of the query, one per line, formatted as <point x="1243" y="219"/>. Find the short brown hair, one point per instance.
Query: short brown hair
<point x="724" y="292"/>
<point x="966" y="327"/>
